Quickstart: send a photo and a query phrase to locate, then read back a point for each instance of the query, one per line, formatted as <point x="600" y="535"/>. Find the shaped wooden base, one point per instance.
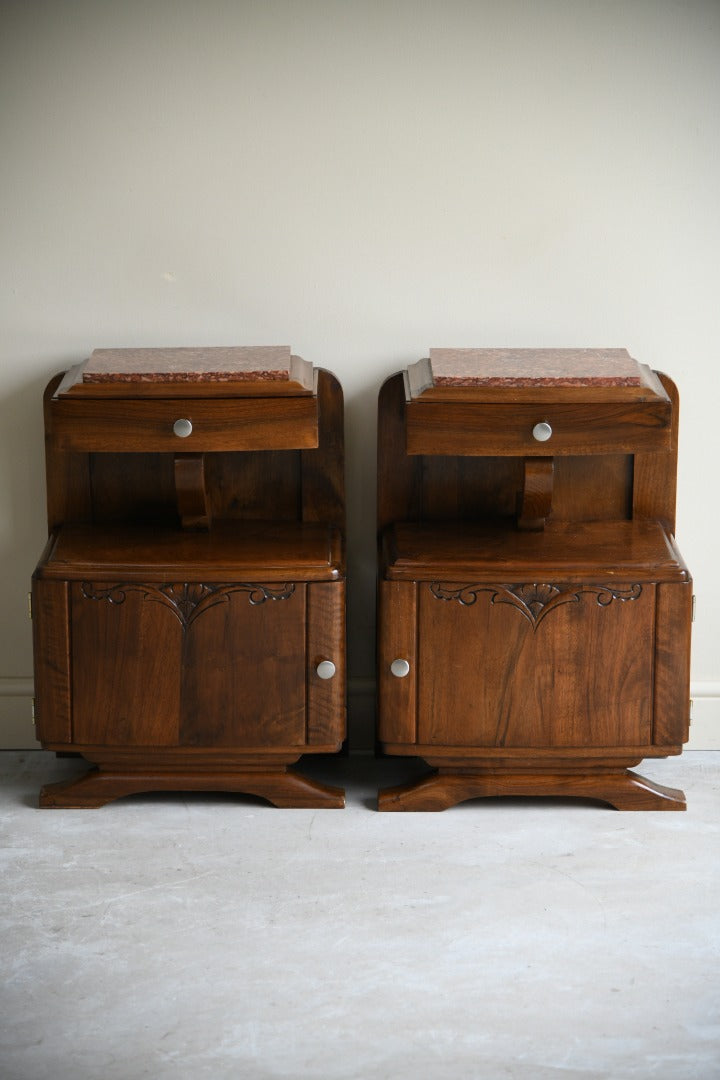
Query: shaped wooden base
<point x="272" y="780"/>
<point x="443" y="788"/>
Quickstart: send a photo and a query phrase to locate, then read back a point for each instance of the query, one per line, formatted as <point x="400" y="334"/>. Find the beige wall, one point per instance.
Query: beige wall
<point x="360" y="181"/>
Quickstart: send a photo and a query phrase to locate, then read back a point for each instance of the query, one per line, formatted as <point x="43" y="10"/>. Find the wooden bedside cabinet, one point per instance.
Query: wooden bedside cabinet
<point x="534" y="610"/>
<point x="189" y="608"/>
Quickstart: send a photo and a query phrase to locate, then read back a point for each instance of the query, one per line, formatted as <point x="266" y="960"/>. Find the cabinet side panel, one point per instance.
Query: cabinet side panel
<point x="68" y="487"/>
<point x="51" y="646"/>
<point x="126" y="649"/>
<point x="655" y="472"/>
<point x="243" y="670"/>
<point x="67" y="474"/>
<point x="672" y="664"/>
<point x="399" y="479"/>
<point x="323" y="469"/>
<point x="326" y="641"/>
<point x="397" y="640"/>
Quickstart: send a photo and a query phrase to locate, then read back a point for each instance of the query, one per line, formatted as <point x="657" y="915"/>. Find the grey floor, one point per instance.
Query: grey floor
<point x="211" y="936"/>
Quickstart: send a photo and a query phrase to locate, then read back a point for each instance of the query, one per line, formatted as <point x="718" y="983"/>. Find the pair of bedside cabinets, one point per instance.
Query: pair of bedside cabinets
<point x="533" y="609"/>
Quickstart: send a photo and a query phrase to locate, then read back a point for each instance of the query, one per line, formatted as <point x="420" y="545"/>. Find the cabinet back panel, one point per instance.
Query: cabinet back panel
<point x="260" y="485"/>
<point x="135" y="488"/>
<point x="469" y="489"/>
<point x="593" y="488"/>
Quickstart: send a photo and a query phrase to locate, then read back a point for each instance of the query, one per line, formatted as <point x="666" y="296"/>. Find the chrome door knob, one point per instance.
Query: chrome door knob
<point x="182" y="428"/>
<point x="400" y="668"/>
<point x="325" y="669"/>
<point x="542" y="431"/>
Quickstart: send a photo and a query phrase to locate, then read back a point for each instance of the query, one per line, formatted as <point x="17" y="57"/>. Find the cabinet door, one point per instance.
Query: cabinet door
<point x="249" y="667"/>
<point x="126" y="647"/>
<point x="535" y="665"/>
<point x="217" y="665"/>
<point x="243" y="667"/>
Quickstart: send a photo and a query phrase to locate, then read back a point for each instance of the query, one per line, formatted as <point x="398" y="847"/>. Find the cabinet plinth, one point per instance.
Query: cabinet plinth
<point x="530" y="583"/>
<point x="193" y="584"/>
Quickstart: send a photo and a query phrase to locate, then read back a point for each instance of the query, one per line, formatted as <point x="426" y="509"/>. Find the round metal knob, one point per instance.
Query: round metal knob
<point x="400" y="668"/>
<point x="542" y="431"/>
<point x="182" y="428"/>
<point x="325" y="669"/>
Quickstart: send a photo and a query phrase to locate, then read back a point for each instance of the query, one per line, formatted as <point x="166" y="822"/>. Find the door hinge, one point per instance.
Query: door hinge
<point x="690" y="710"/>
<point x="692" y="617"/>
<point x="30" y="611"/>
<point x="32" y="710"/>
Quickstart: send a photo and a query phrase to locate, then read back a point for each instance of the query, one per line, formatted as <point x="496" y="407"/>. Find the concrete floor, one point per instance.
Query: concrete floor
<point x="211" y="936"/>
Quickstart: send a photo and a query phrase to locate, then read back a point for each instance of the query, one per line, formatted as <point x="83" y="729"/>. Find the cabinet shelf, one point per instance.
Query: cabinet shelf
<point x="274" y="550"/>
<point x="618" y="550"/>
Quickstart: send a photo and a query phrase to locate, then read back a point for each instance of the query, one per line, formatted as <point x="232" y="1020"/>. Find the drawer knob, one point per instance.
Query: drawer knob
<point x="400" y="668"/>
<point x="182" y="428"/>
<point x="542" y="431"/>
<point x="325" y="669"/>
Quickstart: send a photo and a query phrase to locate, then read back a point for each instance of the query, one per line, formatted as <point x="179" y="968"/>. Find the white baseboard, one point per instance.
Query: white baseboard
<point x="705" y="724"/>
<point x="17" y="731"/>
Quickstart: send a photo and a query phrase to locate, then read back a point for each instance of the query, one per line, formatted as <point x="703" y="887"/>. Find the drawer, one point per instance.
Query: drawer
<point x="545" y="429"/>
<point x="151" y="426"/>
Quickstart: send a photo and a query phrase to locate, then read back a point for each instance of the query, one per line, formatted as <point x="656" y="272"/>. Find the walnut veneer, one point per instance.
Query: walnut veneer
<point x="189" y="608"/>
<point x="534" y="610"/>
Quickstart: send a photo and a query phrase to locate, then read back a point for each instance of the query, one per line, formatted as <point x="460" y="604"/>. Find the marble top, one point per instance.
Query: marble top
<point x="266" y="363"/>
<point x="533" y="367"/>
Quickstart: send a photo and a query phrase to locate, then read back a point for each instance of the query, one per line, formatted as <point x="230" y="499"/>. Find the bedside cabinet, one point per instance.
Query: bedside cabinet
<point x="189" y="608"/>
<point x="534" y="610"/>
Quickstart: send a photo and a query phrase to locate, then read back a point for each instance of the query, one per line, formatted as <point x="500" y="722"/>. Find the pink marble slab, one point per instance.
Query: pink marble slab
<point x="533" y="367"/>
<point x="266" y="363"/>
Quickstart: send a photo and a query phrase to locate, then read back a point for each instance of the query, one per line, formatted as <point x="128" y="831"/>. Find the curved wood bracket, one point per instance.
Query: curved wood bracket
<point x="191" y="492"/>
<point x="535" y="499"/>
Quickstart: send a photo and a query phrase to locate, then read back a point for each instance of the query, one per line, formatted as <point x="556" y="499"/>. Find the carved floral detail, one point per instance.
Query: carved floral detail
<point x="188" y="600"/>
<point x="534" y="601"/>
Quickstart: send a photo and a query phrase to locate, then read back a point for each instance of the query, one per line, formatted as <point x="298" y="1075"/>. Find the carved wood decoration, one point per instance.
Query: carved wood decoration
<point x="534" y="601"/>
<point x="191" y="491"/>
<point x="189" y="600"/>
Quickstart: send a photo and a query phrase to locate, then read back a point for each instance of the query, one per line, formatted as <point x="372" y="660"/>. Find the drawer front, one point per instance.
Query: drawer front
<point x="544" y="430"/>
<point x="184" y="426"/>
